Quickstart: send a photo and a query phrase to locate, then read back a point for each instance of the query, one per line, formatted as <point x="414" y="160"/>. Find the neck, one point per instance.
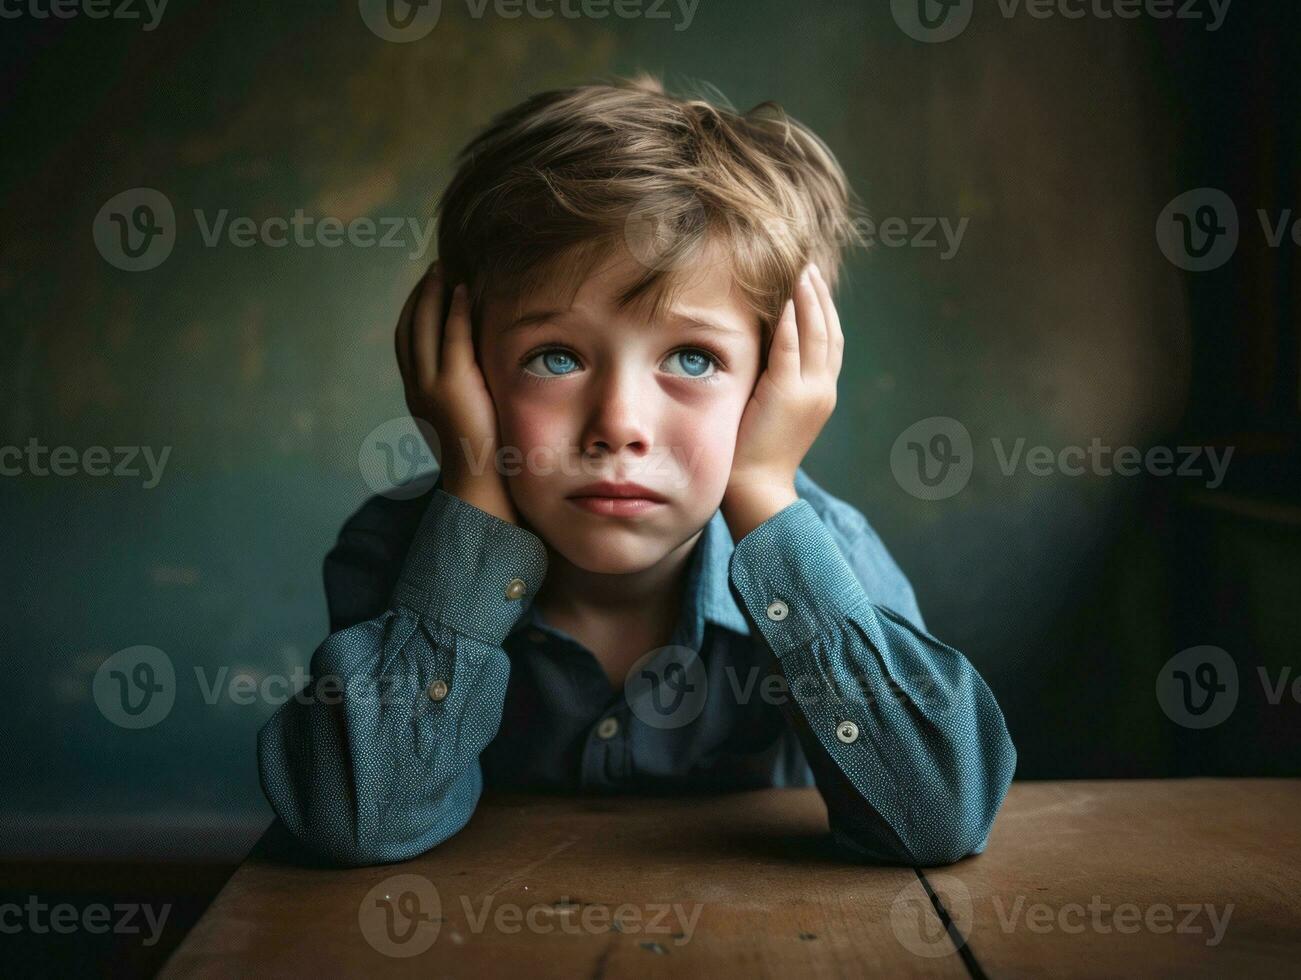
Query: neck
<point x="650" y="595"/>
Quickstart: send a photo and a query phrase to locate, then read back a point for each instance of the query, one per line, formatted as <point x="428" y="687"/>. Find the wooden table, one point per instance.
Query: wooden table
<point x="1177" y="877"/>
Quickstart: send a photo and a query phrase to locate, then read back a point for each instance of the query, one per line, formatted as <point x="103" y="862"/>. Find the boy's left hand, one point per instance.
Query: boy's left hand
<point x="790" y="404"/>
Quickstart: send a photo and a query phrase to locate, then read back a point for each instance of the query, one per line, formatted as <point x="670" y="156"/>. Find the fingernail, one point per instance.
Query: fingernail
<point x="816" y="271"/>
<point x="804" y="277"/>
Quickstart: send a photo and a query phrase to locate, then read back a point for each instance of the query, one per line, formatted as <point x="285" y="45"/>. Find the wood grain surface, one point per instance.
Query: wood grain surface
<point x="1080" y="879"/>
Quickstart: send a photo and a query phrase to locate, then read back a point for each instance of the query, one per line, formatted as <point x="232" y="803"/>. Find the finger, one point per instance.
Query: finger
<point x="835" y="337"/>
<point x="402" y="335"/>
<point x="812" y="329"/>
<point x="429" y="310"/>
<point x="784" y="349"/>
<point x="458" y="348"/>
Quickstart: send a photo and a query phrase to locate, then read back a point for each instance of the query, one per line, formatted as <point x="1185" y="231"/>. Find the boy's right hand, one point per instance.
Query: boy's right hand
<point x="445" y="387"/>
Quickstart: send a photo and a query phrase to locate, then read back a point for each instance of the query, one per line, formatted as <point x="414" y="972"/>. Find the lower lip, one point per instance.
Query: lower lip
<point x="616" y="506"/>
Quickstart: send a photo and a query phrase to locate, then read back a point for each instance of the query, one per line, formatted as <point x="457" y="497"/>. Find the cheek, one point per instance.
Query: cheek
<point x="702" y="438"/>
<point x="527" y="420"/>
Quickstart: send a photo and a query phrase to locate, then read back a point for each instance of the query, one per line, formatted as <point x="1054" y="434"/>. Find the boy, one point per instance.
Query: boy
<point x="623" y="579"/>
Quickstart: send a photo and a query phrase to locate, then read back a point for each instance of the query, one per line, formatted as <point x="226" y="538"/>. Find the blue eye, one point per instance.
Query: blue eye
<point x="694" y="362"/>
<point x="557" y="362"/>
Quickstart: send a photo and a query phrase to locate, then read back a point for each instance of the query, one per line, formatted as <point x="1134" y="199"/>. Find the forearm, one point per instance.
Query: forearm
<point x="909" y="746"/>
<point x="378" y="758"/>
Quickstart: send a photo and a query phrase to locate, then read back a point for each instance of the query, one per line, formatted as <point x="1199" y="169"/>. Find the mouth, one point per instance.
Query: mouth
<point x="617" y="499"/>
<point x="616" y="506"/>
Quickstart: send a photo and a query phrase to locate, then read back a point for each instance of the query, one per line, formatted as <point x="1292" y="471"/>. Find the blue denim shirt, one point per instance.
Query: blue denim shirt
<point x="799" y="658"/>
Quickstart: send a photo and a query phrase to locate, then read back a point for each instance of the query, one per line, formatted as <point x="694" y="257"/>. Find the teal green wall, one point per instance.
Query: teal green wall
<point x="264" y="369"/>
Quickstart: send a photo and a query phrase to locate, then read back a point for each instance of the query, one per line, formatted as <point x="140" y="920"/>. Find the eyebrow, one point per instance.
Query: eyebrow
<point x="531" y="321"/>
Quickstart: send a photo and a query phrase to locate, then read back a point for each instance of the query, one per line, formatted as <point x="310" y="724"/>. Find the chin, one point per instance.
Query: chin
<point x="609" y="552"/>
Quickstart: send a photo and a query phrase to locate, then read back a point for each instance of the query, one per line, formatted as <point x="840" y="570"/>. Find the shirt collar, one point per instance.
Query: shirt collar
<point x="707" y="594"/>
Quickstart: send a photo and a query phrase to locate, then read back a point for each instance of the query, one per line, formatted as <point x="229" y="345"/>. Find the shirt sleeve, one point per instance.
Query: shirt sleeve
<point x="377" y="758"/>
<point x="907" y="745"/>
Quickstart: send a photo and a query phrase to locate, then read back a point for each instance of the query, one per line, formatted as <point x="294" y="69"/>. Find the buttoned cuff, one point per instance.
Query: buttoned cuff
<point x="470" y="570"/>
<point x="792" y="578"/>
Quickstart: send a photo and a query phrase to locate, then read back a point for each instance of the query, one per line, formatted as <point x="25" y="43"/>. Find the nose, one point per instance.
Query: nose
<point x="617" y="419"/>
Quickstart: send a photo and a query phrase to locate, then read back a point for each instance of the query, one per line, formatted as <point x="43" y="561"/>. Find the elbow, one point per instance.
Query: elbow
<point x="962" y="817"/>
<point x="948" y="844"/>
<point x="957" y="829"/>
<point x="317" y="824"/>
<point x="350" y="852"/>
<point x="342" y="825"/>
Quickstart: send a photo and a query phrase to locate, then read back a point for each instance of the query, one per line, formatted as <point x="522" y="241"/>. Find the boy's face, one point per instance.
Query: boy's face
<point x="587" y="392"/>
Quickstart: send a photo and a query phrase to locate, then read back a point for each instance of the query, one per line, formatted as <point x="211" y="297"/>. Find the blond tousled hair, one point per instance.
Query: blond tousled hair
<point x="552" y="186"/>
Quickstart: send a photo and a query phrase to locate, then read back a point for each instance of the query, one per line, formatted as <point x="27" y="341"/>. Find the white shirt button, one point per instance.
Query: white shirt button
<point x="437" y="690"/>
<point x="847" y="732"/>
<point x="608" y="728"/>
<point x="777" y="610"/>
<point x="515" y="588"/>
